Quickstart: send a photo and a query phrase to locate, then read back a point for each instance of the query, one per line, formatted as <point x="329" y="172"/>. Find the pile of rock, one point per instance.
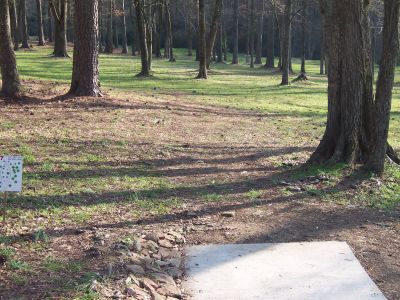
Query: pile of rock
<point x="152" y="264"/>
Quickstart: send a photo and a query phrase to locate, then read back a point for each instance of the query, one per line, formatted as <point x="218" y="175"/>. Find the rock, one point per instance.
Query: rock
<point x="137" y="292"/>
<point x="294" y="189"/>
<point x="152" y="237"/>
<point x="166" y="254"/>
<point x="162" y="278"/>
<point x="169" y="290"/>
<point x="131" y="279"/>
<point x="284" y="183"/>
<point x="156" y="296"/>
<point x="137" y="245"/>
<point x="136" y="259"/>
<point x="174" y="272"/>
<point x="228" y="214"/>
<point x="151" y="245"/>
<point x="93" y="252"/>
<point x="148" y="282"/>
<point x="165" y="244"/>
<point x="179" y="238"/>
<point x="173" y="262"/>
<point x="117" y="295"/>
<point x="135" y="269"/>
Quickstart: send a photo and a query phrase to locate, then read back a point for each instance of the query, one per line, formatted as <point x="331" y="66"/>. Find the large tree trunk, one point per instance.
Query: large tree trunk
<point x="9" y="72"/>
<point x="41" y="41"/>
<point x="59" y="11"/>
<point x="259" y="40"/>
<point x="124" y="39"/>
<point x="213" y="30"/>
<point x="202" y="41"/>
<point x="141" y="27"/>
<point x="14" y="24"/>
<point x="382" y="105"/>
<point x="271" y="42"/>
<point x="287" y="28"/>
<point x="235" y="58"/>
<point x="219" y="44"/>
<point x="347" y="136"/>
<point x="85" y="74"/>
<point x="23" y="24"/>
<point x="109" y="35"/>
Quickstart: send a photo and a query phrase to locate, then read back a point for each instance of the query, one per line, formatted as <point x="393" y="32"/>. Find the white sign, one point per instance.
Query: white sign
<point x="11" y="173"/>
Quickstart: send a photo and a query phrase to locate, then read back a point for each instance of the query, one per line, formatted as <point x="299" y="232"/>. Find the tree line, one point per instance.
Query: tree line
<point x="358" y="114"/>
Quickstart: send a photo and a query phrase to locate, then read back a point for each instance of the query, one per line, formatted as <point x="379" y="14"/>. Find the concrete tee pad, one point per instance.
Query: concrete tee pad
<point x="320" y="270"/>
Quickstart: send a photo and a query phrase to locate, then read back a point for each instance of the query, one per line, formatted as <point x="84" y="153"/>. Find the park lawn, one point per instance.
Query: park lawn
<point x="154" y="148"/>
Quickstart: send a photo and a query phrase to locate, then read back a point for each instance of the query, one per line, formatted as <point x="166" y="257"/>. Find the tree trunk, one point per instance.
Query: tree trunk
<point x="59" y="11"/>
<point x="85" y="74"/>
<point x="347" y="136"/>
<point x="9" y="73"/>
<point x="259" y="40"/>
<point x="115" y="27"/>
<point x="169" y="32"/>
<point x="14" y="24"/>
<point x="109" y="35"/>
<point x="271" y="42"/>
<point x="202" y="41"/>
<point x="213" y="30"/>
<point x="50" y="24"/>
<point x="219" y="44"/>
<point x="252" y="34"/>
<point x="322" y="46"/>
<point x="134" y="28"/>
<point x="41" y="41"/>
<point x="124" y="39"/>
<point x="141" y="27"/>
<point x="190" y="37"/>
<point x="70" y="23"/>
<point x="23" y="25"/>
<point x="382" y="105"/>
<point x="286" y="42"/>
<point x="303" y="37"/>
<point x="235" y="58"/>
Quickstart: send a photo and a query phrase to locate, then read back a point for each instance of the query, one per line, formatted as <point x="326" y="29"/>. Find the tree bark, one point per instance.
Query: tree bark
<point x="134" y="28"/>
<point x="109" y="35"/>
<point x="14" y="24"/>
<point x="252" y="33"/>
<point x="287" y="28"/>
<point x="50" y="24"/>
<point x="202" y="41"/>
<point x="141" y="27"/>
<point x="382" y="105"/>
<point x="124" y="39"/>
<point x="85" y="74"/>
<point x="213" y="30"/>
<point x="271" y="42"/>
<point x="303" y="37"/>
<point x="59" y="11"/>
<point x="347" y="135"/>
<point x="9" y="73"/>
<point x="169" y="32"/>
<point x="23" y="25"/>
<point x="235" y="58"/>
<point x="259" y="40"/>
<point x="115" y="27"/>
<point x="41" y="41"/>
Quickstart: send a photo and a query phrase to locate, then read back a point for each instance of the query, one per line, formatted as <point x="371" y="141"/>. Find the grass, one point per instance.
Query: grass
<point x="300" y="104"/>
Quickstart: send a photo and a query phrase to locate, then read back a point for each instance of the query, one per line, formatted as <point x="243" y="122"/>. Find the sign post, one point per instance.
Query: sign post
<point x="10" y="178"/>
